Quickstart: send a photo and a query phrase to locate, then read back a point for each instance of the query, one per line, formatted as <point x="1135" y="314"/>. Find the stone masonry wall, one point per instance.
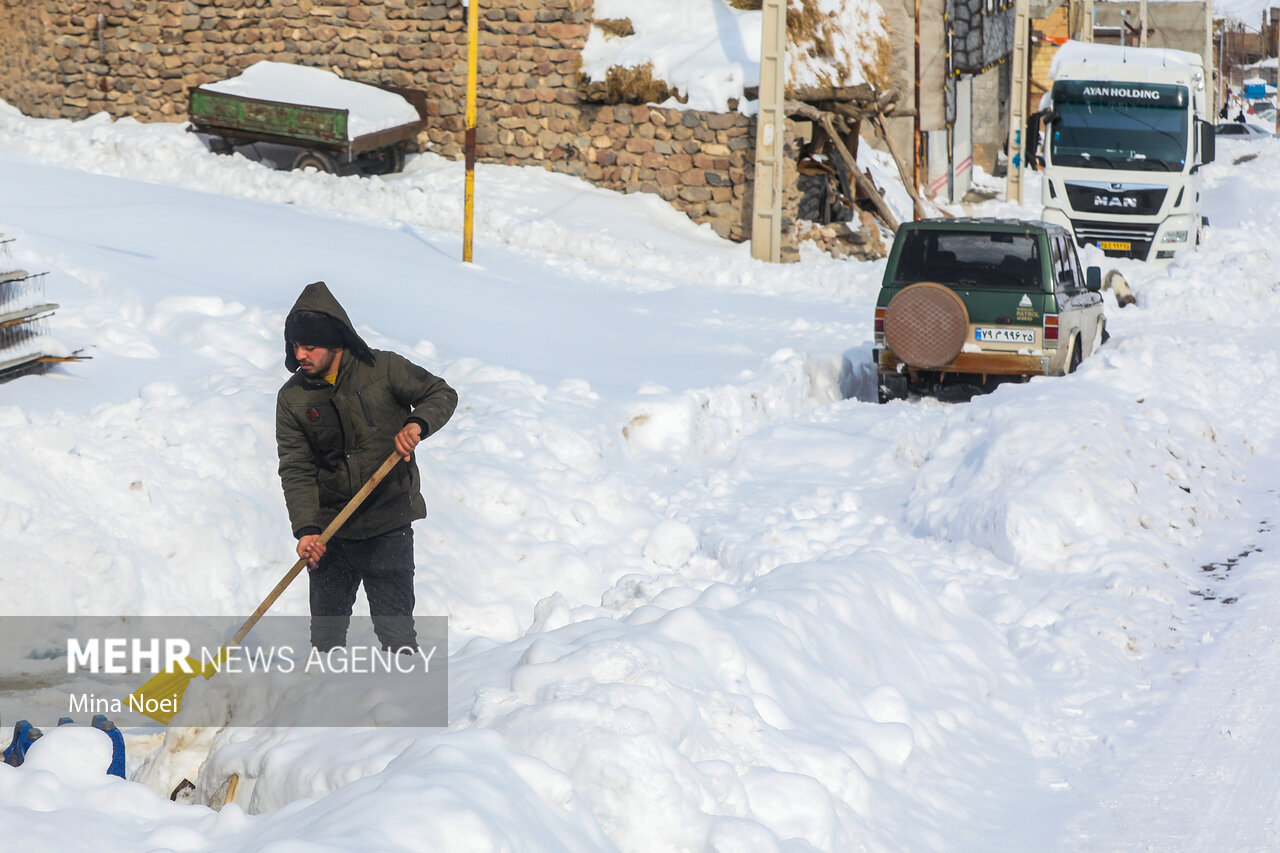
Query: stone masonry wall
<point x="70" y="58"/>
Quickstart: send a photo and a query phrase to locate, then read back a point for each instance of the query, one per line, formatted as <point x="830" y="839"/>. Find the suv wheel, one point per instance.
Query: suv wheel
<point x="891" y="388"/>
<point x="1073" y="361"/>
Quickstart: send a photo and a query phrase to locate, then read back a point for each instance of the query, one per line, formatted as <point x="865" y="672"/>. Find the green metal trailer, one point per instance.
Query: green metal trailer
<point x="318" y="133"/>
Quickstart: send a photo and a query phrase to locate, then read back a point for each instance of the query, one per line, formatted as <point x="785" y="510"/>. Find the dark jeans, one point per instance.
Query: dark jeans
<point x="385" y="565"/>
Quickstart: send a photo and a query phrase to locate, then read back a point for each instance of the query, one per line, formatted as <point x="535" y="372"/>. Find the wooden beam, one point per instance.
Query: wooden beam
<point x="903" y="172"/>
<point x="1018" y="104"/>
<point x="771" y="128"/>
<point x="864" y="182"/>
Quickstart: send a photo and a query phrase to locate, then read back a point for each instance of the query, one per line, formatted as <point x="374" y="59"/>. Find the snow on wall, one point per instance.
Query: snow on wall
<point x="710" y="51"/>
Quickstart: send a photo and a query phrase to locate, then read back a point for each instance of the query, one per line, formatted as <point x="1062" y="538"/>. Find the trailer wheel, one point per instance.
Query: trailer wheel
<point x="318" y="160"/>
<point x="385" y="161"/>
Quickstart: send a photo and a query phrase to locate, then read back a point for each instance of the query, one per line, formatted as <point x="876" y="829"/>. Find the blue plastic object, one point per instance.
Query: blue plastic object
<point x="117" y="744"/>
<point x="24" y="734"/>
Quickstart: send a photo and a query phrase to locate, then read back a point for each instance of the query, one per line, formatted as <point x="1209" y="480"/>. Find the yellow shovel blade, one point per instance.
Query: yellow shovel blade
<point x="161" y="697"/>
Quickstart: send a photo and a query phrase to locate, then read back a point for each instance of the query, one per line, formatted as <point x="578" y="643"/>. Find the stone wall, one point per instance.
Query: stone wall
<point x="69" y="59"/>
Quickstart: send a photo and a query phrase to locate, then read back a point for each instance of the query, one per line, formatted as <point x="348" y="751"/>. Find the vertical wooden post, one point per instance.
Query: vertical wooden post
<point x="469" y="143"/>
<point x="1018" y="103"/>
<point x="771" y="124"/>
<point x="1086" y="31"/>
<point x="1142" y="23"/>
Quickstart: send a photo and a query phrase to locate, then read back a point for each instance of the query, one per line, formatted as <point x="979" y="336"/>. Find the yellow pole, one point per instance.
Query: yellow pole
<point x="469" y="145"/>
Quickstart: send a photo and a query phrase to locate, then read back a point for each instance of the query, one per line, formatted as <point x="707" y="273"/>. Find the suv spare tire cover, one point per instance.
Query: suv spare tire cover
<point x="926" y="324"/>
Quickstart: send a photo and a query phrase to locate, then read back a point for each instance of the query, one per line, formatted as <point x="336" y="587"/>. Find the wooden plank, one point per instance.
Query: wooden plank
<point x="62" y="359"/>
<point x="861" y="93"/>
<point x="771" y="128"/>
<point x="1018" y="104"/>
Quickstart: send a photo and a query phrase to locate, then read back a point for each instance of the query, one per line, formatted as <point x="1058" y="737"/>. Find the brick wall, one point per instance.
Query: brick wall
<point x="1052" y="31"/>
<point x="69" y="59"/>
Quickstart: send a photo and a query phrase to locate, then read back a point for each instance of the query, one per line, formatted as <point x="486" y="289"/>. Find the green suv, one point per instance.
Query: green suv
<point x="969" y="303"/>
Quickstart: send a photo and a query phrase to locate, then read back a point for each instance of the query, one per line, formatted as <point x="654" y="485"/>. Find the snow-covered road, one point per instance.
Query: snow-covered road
<point x="699" y="598"/>
<point x="1204" y="775"/>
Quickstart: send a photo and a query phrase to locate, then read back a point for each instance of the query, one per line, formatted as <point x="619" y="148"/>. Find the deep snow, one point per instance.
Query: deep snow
<point x="703" y="594"/>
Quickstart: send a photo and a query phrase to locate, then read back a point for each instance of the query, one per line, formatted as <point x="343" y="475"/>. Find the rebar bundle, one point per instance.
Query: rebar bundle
<point x="19" y="291"/>
<point x="21" y="340"/>
<point x="25" y="345"/>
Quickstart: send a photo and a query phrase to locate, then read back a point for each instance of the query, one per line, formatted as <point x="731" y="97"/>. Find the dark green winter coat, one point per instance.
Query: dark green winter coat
<point x="332" y="438"/>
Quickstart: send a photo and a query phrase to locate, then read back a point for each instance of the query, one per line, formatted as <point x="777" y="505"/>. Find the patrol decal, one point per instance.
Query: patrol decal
<point x="1025" y="313"/>
<point x="313" y="414"/>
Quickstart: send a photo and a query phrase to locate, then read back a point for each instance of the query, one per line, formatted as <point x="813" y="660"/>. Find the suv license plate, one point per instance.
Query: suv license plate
<point x="1115" y="245"/>
<point x="1005" y="336"/>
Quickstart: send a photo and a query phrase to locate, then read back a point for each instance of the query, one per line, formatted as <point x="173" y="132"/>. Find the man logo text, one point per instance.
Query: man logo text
<point x="1114" y="201"/>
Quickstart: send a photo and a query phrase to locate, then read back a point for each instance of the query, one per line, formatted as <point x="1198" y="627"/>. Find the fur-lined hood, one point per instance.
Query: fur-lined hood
<point x="316" y="297"/>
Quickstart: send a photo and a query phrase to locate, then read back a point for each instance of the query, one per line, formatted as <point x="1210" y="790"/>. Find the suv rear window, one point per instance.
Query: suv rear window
<point x="970" y="259"/>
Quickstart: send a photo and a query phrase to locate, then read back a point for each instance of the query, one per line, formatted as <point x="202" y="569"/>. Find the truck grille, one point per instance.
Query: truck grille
<point x="1132" y="200"/>
<point x="1139" y="237"/>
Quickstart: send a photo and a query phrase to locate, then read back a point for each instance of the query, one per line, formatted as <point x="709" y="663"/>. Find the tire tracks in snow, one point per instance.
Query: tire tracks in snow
<point x="1205" y="777"/>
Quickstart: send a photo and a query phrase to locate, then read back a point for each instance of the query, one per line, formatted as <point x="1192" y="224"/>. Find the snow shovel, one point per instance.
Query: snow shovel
<point x="166" y="688"/>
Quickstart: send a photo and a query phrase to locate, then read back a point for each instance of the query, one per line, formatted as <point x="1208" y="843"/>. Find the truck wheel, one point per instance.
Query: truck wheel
<point x="318" y="160"/>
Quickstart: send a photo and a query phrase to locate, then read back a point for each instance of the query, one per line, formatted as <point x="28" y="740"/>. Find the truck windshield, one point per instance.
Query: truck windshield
<point x="970" y="259"/>
<point x="1142" y="127"/>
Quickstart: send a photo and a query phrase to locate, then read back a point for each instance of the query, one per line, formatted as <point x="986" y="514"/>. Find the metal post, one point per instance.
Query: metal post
<point x="917" y="136"/>
<point x="1018" y="102"/>
<point x="469" y="143"/>
<point x="1208" y="58"/>
<point x="771" y="124"/>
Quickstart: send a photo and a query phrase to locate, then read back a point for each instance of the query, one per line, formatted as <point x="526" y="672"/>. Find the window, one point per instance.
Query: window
<point x="1066" y="267"/>
<point x="971" y="258"/>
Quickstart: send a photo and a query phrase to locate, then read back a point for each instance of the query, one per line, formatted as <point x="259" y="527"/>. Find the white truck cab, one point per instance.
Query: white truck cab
<point x="1125" y="134"/>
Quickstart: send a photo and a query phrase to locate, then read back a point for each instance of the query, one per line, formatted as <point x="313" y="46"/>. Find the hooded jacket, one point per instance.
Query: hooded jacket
<point x="331" y="438"/>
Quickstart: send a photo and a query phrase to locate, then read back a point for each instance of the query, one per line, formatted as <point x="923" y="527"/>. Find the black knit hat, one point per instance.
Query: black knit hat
<point x="313" y="329"/>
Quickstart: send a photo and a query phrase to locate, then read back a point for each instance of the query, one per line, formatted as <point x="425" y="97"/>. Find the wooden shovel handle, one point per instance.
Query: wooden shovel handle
<point x="338" y="521"/>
